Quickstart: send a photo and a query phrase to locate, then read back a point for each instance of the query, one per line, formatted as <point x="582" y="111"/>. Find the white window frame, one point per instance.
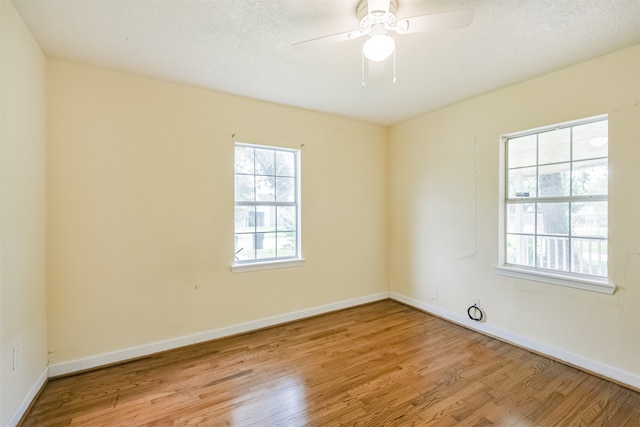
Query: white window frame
<point x="239" y="266"/>
<point x="561" y="278"/>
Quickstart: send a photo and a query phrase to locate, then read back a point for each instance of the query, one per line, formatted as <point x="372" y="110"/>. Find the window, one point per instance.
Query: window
<point x="555" y="218"/>
<point x="267" y="205"/>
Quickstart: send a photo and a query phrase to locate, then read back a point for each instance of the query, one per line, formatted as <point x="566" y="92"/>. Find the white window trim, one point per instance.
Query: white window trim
<point x="577" y="281"/>
<point x="267" y="265"/>
<point x="270" y="264"/>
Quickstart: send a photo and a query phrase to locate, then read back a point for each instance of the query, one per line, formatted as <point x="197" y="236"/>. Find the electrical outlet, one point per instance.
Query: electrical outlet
<point x="434" y="293"/>
<point x="17" y="354"/>
<point x="476" y="301"/>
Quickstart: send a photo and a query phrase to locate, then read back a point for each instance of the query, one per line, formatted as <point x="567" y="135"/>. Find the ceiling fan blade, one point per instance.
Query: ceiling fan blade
<point x="378" y="5"/>
<point x="332" y="38"/>
<point x="436" y="21"/>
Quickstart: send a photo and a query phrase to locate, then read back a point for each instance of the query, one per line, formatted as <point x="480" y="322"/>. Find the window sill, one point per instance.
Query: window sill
<point x="594" y="285"/>
<point x="268" y="265"/>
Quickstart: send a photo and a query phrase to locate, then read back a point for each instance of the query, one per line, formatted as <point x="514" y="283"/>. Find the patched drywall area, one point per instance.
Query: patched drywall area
<point x="445" y="199"/>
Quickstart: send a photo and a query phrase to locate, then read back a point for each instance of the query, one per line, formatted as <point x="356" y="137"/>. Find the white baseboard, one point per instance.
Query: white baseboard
<point x="26" y="402"/>
<point x="573" y="359"/>
<point x="69" y="367"/>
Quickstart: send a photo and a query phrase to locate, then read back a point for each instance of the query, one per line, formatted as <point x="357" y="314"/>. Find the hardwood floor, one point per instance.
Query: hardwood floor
<point x="381" y="364"/>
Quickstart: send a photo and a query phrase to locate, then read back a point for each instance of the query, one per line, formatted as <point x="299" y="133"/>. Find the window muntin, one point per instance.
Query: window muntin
<point x="556" y="199"/>
<point x="267" y="204"/>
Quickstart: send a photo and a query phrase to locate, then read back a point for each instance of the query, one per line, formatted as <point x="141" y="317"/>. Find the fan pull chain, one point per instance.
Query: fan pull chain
<point x="362" y="69"/>
<point x="394" y="65"/>
<point x="363" y="83"/>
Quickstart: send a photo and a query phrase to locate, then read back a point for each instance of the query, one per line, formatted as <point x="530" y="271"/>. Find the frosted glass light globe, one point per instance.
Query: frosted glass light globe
<point x="378" y="47"/>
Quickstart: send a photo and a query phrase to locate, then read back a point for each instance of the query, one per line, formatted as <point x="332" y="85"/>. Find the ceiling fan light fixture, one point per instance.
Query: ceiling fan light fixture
<point x="378" y="47"/>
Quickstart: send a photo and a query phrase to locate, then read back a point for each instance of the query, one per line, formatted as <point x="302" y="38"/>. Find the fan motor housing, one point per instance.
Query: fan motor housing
<point x="362" y="9"/>
<point x="376" y="18"/>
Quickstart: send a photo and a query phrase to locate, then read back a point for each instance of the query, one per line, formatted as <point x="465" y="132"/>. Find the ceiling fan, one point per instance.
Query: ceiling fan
<point x="378" y="19"/>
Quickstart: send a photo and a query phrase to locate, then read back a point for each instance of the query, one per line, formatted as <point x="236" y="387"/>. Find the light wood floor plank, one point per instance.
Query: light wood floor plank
<point x="380" y="364"/>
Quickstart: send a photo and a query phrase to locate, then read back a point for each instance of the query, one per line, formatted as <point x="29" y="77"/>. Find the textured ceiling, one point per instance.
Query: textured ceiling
<point x="244" y="47"/>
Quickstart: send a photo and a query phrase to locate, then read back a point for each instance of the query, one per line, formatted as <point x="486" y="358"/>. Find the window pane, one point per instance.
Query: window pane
<point x="245" y="219"/>
<point x="265" y="188"/>
<point x="554" y="180"/>
<point x="554" y="146"/>
<point x="244" y="160"/>
<point x="553" y="218"/>
<point x="522" y="151"/>
<point x="285" y="189"/>
<point x="589" y="219"/>
<point x="590" y="177"/>
<point x="265" y="218"/>
<point x="521" y="218"/>
<point x="244" y="191"/>
<point x="266" y="211"/>
<point x="591" y="140"/>
<point x="265" y="245"/>
<point x="552" y="253"/>
<point x="520" y="250"/>
<point x="286" y="244"/>
<point x="522" y="182"/>
<point x="286" y="218"/>
<point x="245" y="249"/>
<point x="556" y="214"/>
<point x="589" y="256"/>
<point x="285" y="163"/>
<point x="265" y="162"/>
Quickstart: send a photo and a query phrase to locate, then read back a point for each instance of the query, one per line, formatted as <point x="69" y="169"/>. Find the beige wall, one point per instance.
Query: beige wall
<point x="22" y="212"/>
<point x="444" y="210"/>
<point x="140" y="225"/>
